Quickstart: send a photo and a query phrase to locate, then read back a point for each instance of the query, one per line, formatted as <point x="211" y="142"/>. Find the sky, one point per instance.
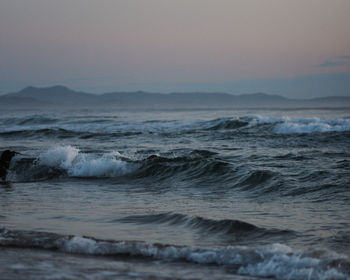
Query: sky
<point x="298" y="48"/>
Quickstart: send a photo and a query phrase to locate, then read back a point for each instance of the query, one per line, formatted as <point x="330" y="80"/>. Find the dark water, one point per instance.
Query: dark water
<point x="176" y="194"/>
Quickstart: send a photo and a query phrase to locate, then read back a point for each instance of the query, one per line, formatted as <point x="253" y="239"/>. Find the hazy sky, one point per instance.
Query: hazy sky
<point x="170" y="45"/>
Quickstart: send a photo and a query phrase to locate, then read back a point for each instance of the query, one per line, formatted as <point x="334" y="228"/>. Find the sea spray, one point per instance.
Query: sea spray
<point x="272" y="261"/>
<point x="79" y="164"/>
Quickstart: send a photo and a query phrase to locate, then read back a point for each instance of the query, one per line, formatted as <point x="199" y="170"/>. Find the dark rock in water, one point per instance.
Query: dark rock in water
<point x="5" y="161"/>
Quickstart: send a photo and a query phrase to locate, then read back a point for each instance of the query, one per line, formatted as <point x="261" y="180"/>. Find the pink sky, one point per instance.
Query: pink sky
<point x="126" y="42"/>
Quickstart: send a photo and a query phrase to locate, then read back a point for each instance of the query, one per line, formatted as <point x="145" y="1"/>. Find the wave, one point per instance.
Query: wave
<point x="274" y="261"/>
<point x="225" y="123"/>
<point x="206" y="169"/>
<point x="255" y="178"/>
<point x="234" y="230"/>
<point x="91" y="127"/>
<point x="222" y="226"/>
<point x="312" y="125"/>
<point x="51" y="132"/>
<point x="79" y="164"/>
<point x="193" y="166"/>
<point x="285" y="125"/>
<point x="64" y="133"/>
<point x="63" y="161"/>
<point x="30" y="120"/>
<point x="69" y="161"/>
<point x="200" y="169"/>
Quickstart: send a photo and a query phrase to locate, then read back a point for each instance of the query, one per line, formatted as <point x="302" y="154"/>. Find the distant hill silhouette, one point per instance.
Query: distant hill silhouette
<point x="53" y="95"/>
<point x="63" y="96"/>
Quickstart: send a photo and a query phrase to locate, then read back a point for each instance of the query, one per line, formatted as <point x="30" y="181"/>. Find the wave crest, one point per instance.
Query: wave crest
<point x="68" y="160"/>
<point x="312" y="125"/>
<point x="226" y="123"/>
<point x="79" y="164"/>
<point x="276" y="260"/>
<point x="213" y="226"/>
<point x="33" y="125"/>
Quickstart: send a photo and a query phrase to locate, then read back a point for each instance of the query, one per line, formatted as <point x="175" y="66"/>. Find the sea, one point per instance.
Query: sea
<point x="176" y="194"/>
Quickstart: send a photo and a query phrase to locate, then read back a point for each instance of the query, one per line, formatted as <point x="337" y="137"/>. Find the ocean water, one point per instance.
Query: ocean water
<point x="181" y="194"/>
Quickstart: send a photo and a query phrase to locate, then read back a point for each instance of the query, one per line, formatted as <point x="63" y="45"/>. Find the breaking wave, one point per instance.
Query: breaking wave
<point x="197" y="169"/>
<point x="275" y="260"/>
<point x="69" y="161"/>
<point x="312" y="125"/>
<point x="34" y="125"/>
<point x="78" y="164"/>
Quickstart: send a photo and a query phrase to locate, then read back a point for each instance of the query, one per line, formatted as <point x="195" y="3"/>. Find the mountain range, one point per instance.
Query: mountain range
<point x="63" y="96"/>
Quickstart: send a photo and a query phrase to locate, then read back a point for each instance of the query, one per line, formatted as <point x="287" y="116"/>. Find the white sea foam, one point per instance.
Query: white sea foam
<point x="85" y="165"/>
<point x="276" y="260"/>
<point x="287" y="125"/>
<point x="282" y="125"/>
<point x="257" y="120"/>
<point x="62" y="157"/>
<point x="312" y="125"/>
